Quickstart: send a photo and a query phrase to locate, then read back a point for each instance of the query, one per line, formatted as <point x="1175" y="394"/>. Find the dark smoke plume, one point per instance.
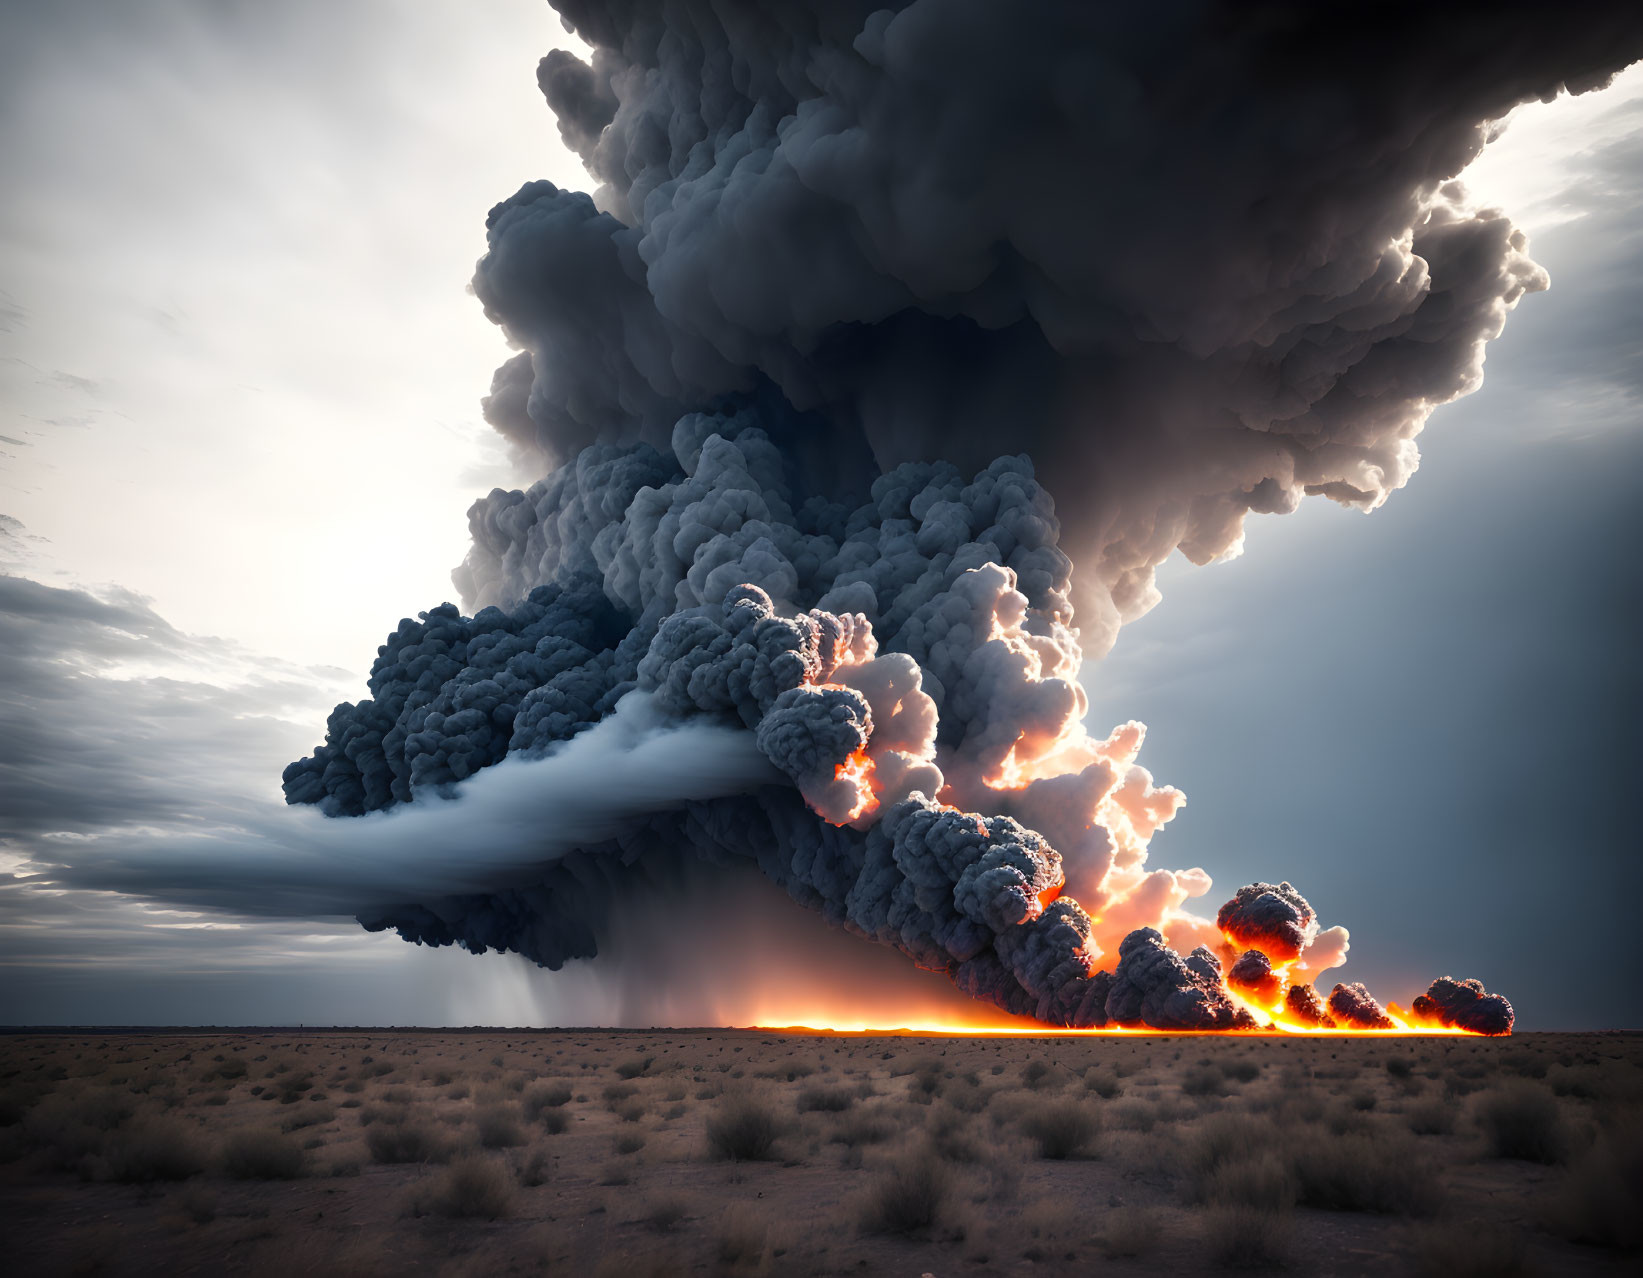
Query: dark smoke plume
<point x="1196" y="260"/>
<point x="1276" y="920"/>
<point x="1306" y="1007"/>
<point x="1464" y="1005"/>
<point x="1252" y="974"/>
<point x="1355" y="1006"/>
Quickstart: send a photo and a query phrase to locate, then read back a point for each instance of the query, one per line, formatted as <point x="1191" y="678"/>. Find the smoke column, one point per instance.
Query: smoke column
<point x="871" y="315"/>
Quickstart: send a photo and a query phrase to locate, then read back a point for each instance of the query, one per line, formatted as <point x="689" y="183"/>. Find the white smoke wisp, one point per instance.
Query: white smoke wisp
<point x="508" y="825"/>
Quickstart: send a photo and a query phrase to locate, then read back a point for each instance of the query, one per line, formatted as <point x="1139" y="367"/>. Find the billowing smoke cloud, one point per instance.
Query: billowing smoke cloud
<point x="1306" y="1008"/>
<point x="1355" y="1006"/>
<point x="1196" y="262"/>
<point x="1466" y="1005"/>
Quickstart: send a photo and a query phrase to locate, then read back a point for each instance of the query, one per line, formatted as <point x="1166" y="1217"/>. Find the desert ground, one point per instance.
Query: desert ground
<point x="640" y="1153"/>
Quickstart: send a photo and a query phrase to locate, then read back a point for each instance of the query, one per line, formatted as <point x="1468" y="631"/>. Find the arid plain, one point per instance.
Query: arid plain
<point x="748" y="1152"/>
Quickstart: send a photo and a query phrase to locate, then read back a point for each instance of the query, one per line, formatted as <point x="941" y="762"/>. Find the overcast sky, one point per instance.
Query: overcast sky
<point x="238" y="362"/>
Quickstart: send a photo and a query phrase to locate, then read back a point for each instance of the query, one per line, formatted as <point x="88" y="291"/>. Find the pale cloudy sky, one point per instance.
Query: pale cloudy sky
<point x="238" y="363"/>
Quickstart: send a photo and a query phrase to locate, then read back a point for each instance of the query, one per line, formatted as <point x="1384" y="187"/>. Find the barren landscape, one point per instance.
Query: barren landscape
<point x="754" y="1152"/>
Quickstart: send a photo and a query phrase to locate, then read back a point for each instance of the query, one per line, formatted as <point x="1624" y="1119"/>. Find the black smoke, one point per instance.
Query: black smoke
<point x="1196" y="260"/>
<point x="1354" y="1006"/>
<point x="1464" y="1005"/>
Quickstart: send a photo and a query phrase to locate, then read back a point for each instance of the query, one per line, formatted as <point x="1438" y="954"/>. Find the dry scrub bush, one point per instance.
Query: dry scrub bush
<point x="1359" y="1172"/>
<point x="1063" y="1129"/>
<point x="908" y="1196"/>
<point x="742" y="1241"/>
<point x="471" y="1187"/>
<point x="951" y="1134"/>
<point x="630" y="1142"/>
<point x="1103" y="1083"/>
<point x="635" y="1067"/>
<point x="543" y="1097"/>
<point x="390" y="1114"/>
<point x="554" y="1121"/>
<point x="1520" y="1120"/>
<point x="1261" y="1180"/>
<point x="1136" y="1116"/>
<point x="1203" y="1080"/>
<point x="1248" y="1237"/>
<point x="866" y="1126"/>
<point x="72" y="1123"/>
<point x="1433" y="1117"/>
<point x="1600" y="1201"/>
<point x="307" y="1116"/>
<point x="827" y="1100"/>
<point x="260" y="1154"/>
<point x="409" y="1141"/>
<point x="664" y="1214"/>
<point x="743" y="1129"/>
<point x="149" y="1149"/>
<point x="1219" y="1140"/>
<point x="535" y="1168"/>
<point x="497" y="1128"/>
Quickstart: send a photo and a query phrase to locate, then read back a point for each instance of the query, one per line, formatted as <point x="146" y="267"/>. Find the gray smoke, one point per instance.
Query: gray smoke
<point x="1196" y="261"/>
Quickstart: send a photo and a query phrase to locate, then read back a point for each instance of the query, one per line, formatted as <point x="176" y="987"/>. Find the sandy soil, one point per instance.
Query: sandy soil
<point x="744" y="1152"/>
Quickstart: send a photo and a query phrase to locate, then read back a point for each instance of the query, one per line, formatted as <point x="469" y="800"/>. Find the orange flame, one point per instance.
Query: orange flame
<point x="858" y="769"/>
<point x="1277" y="1016"/>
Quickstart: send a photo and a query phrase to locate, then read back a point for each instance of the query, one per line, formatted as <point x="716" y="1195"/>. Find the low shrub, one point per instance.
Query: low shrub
<point x="1263" y="1181"/>
<point x="554" y="1121"/>
<point x="908" y="1196"/>
<point x="1358" y="1172"/>
<point x="1432" y="1117"/>
<point x="1203" y="1080"/>
<point x="1064" y="1130"/>
<point x="1523" y="1121"/>
<point x="413" y="1141"/>
<point x="473" y="1187"/>
<point x="1103" y="1084"/>
<point x="151" y="1149"/>
<point x="742" y="1239"/>
<point x="827" y="1100"/>
<point x="1222" y="1139"/>
<point x="307" y="1116"/>
<point x="1248" y="1237"/>
<point x="664" y="1214"/>
<point x="743" y="1129"/>
<point x="261" y="1154"/>
<point x="544" y="1097"/>
<point x="498" y="1128"/>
